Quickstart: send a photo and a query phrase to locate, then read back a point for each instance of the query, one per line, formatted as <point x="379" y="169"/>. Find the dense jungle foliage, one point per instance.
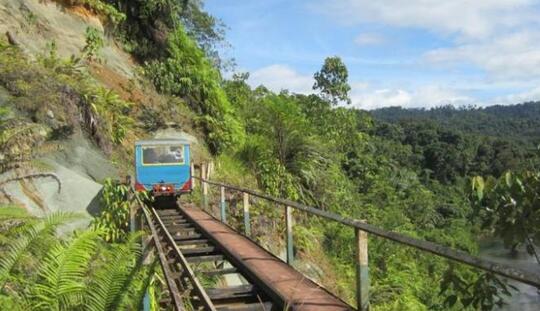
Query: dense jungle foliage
<point x="410" y="176"/>
<point x="520" y="122"/>
<point x="41" y="269"/>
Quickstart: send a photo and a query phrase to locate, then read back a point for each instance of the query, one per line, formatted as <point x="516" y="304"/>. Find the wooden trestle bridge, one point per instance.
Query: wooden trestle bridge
<point x="194" y="247"/>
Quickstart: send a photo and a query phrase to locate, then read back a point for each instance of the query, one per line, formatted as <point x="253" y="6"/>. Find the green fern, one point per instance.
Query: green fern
<point x="106" y="290"/>
<point x="146" y="282"/>
<point x="61" y="284"/>
<point x="13" y="212"/>
<point x="41" y="271"/>
<point x="28" y="236"/>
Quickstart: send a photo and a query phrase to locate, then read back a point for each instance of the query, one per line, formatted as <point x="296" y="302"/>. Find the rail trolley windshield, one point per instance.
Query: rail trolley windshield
<point x="163" y="155"/>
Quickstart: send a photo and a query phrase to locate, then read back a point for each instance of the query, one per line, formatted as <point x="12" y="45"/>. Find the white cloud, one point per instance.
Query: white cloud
<point x="365" y="96"/>
<point x="469" y="18"/>
<point x="511" y="56"/>
<point x="279" y="77"/>
<point x="501" y="38"/>
<point x="425" y="96"/>
<point x="369" y="39"/>
<point x="530" y="95"/>
<point x="373" y="99"/>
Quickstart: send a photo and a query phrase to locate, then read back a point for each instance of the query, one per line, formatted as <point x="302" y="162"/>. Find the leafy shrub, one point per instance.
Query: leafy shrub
<point x="94" y="43"/>
<point x="112" y="109"/>
<point x="509" y="207"/>
<point x="113" y="220"/>
<point x="105" y="103"/>
<point x="152" y="119"/>
<point x="484" y="292"/>
<point x="66" y="89"/>
<point x="71" y="66"/>
<point x="99" y="7"/>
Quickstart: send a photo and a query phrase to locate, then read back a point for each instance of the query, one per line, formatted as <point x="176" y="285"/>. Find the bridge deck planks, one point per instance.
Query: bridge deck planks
<point x="301" y="293"/>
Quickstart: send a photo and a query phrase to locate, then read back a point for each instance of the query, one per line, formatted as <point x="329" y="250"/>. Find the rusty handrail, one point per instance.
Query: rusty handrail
<point x="527" y="277"/>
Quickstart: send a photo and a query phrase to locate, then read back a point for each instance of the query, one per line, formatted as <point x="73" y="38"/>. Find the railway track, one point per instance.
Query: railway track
<point x="210" y="266"/>
<point x="188" y="256"/>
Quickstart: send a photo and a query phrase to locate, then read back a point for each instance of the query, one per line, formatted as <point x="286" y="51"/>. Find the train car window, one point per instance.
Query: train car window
<point x="163" y="154"/>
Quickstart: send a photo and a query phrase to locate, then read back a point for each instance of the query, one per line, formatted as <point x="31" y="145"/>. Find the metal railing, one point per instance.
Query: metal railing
<point x="361" y="229"/>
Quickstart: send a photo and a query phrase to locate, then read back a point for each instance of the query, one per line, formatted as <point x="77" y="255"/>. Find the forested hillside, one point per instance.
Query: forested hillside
<point x="411" y="176"/>
<point x="520" y="122"/>
<point x="452" y="142"/>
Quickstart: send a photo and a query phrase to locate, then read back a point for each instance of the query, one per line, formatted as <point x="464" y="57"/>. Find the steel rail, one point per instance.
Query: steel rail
<point x="520" y="275"/>
<point x="200" y="292"/>
<point x="173" y="288"/>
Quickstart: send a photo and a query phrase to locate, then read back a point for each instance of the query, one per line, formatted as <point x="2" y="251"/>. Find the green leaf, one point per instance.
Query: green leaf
<point x="478" y="186"/>
<point x="508" y="178"/>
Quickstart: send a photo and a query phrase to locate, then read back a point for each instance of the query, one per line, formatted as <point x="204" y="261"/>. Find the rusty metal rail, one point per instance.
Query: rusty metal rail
<point x="527" y="277"/>
<point x="204" y="300"/>
<point x="187" y="253"/>
<point x="174" y="292"/>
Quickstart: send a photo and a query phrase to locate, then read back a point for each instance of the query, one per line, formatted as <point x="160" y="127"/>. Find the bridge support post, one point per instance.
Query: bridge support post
<point x="289" y="225"/>
<point x="247" y="221"/>
<point x="223" y="205"/>
<point x="204" y="186"/>
<point x="362" y="270"/>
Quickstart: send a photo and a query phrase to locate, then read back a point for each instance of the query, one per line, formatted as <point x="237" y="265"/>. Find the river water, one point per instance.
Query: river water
<point x="528" y="297"/>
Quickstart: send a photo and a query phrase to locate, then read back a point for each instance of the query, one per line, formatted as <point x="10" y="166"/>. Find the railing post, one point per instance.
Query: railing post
<point x="289" y="224"/>
<point x="191" y="173"/>
<point x="204" y="186"/>
<point x="247" y="222"/>
<point x="132" y="218"/>
<point x="362" y="270"/>
<point x="222" y="205"/>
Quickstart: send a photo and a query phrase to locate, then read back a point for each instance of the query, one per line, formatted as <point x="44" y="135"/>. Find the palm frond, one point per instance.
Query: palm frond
<point x="142" y="284"/>
<point x="29" y="234"/>
<point x="134" y="287"/>
<point x="11" y="212"/>
<point x="61" y="284"/>
<point x="107" y="286"/>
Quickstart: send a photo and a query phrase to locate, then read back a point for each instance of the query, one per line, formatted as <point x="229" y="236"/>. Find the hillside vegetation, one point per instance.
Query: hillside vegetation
<point x="458" y="142"/>
<point x="410" y="177"/>
<point x="520" y="122"/>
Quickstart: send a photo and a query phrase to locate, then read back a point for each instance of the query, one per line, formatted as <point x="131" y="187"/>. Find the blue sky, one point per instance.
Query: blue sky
<point x="415" y="53"/>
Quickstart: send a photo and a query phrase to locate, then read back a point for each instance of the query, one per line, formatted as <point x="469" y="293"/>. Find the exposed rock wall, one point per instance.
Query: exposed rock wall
<point x="80" y="165"/>
<point x="35" y="23"/>
<point x="81" y="159"/>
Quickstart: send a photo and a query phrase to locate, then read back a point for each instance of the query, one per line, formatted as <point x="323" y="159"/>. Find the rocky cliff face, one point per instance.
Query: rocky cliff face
<point x="59" y="101"/>
<point x="77" y="160"/>
<point x="33" y="24"/>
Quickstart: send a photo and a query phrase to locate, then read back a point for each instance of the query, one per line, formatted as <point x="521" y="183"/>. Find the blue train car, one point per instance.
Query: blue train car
<point x="162" y="166"/>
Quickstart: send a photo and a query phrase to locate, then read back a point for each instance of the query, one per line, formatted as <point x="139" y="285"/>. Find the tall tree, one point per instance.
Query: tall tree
<point x="332" y="80"/>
